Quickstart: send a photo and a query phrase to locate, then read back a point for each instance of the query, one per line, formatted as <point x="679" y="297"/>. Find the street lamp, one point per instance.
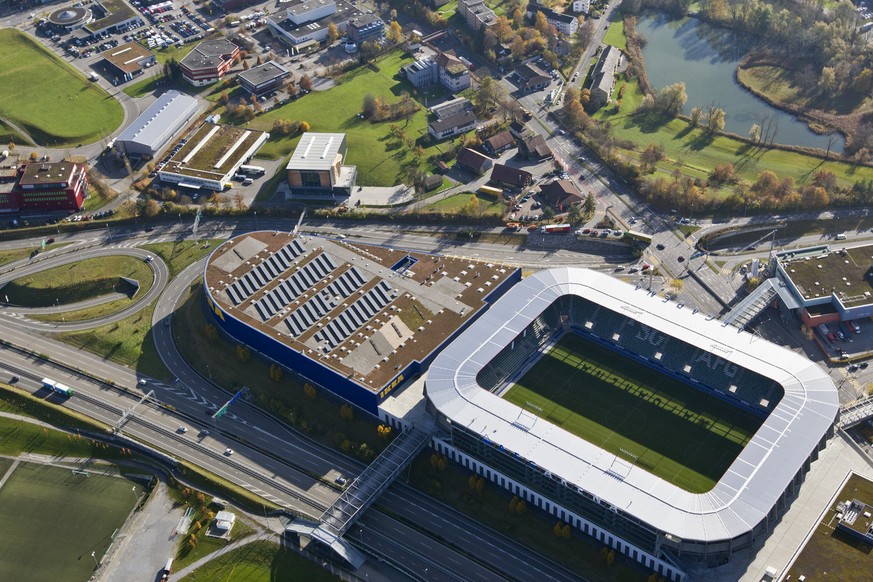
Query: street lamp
<point x="96" y="565"/>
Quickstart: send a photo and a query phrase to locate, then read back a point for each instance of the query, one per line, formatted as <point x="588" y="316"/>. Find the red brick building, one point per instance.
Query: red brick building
<point x="45" y="186"/>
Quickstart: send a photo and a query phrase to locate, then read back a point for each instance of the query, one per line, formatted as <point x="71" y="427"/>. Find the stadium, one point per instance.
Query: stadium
<point x="359" y="320"/>
<point x="659" y="431"/>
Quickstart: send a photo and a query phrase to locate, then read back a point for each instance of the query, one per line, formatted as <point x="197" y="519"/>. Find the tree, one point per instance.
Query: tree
<point x="828" y="80"/>
<point x="11" y="146"/>
<point x="755" y="133"/>
<point x="276" y="373"/>
<point x="151" y="208"/>
<point x="610" y="557"/>
<point x="370" y="106"/>
<point x="304" y="126"/>
<point x="585" y="97"/>
<point x="309" y="391"/>
<point x="671" y="99"/>
<point x="653" y="154"/>
<point x="347" y="413"/>
<point x="332" y="33"/>
<point x="487" y="95"/>
<point x="696" y="113"/>
<point x="210" y="332"/>
<point x="590" y="204"/>
<point x="394" y="32"/>
<point x="716" y="120"/>
<point x="305" y="83"/>
<point x="239" y="201"/>
<point x="243" y="353"/>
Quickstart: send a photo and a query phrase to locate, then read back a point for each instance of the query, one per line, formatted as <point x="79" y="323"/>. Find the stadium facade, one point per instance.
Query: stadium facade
<point x="358" y="320"/>
<point x="606" y="496"/>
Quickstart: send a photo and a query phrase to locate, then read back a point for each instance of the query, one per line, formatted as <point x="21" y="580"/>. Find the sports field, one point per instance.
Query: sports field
<point x="50" y="100"/>
<point x="53" y="520"/>
<point x="660" y="424"/>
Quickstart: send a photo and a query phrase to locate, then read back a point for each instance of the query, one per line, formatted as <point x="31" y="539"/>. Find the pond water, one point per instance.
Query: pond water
<point x="705" y="57"/>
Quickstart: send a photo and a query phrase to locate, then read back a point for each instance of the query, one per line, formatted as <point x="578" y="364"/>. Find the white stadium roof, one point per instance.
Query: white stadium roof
<point x="752" y="484"/>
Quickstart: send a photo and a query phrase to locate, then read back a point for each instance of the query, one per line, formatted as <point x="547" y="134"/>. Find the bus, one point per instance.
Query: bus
<point x="491" y="191"/>
<point x="645" y="239"/>
<point x="56" y="386"/>
<point x="549" y="228"/>
<point x="253" y="170"/>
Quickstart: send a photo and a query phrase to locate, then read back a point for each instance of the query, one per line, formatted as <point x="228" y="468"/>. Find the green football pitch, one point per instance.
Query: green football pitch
<point x="53" y="519"/>
<point x="672" y="430"/>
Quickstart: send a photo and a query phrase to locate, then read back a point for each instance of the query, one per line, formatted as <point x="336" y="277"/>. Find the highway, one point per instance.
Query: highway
<point x="269" y="459"/>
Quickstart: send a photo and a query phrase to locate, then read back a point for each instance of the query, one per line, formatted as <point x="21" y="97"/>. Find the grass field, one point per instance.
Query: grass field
<point x="50" y="100"/>
<point x="629" y="410"/>
<point x="463" y="204"/>
<point x="379" y="157"/>
<point x="695" y="153"/>
<point x="11" y="255"/>
<point x="54" y="520"/>
<point x="615" y="35"/>
<point x="260" y="561"/>
<point x="79" y="281"/>
<point x="833" y="555"/>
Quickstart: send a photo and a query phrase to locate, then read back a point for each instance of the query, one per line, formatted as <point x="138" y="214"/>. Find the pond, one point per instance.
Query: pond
<point x="705" y="57"/>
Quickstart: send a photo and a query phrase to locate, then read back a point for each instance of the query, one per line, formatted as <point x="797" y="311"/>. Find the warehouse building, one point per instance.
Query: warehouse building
<point x="127" y="61"/>
<point x="161" y="122"/>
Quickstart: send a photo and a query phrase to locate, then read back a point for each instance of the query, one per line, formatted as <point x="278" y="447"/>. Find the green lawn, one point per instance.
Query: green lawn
<point x="79" y="281"/>
<point x="622" y="406"/>
<point x="55" y="519"/>
<point x="464" y="203"/>
<point x="379" y="157"/>
<point x="49" y="99"/>
<point x="830" y="554"/>
<point x="260" y="561"/>
<point x="696" y="153"/>
<point x="7" y="134"/>
<point x="178" y="255"/>
<point x="615" y="35"/>
<point x="12" y="255"/>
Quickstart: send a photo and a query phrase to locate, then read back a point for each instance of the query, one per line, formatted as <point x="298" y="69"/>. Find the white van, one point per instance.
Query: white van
<point x="248" y="182"/>
<point x="841" y="236"/>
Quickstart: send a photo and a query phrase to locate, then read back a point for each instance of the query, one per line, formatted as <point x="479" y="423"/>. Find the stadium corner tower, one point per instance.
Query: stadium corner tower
<point x="615" y="493"/>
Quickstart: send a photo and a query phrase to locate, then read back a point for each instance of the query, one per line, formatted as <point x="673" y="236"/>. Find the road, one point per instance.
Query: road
<point x="268" y="459"/>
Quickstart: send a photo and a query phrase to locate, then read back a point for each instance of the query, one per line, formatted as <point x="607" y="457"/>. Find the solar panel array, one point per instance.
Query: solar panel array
<point x="294" y="286"/>
<point x="325" y="301"/>
<point x="268" y="270"/>
<point x="355" y="315"/>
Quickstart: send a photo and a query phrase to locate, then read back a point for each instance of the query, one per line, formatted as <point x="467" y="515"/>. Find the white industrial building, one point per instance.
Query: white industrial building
<point x="161" y="122"/>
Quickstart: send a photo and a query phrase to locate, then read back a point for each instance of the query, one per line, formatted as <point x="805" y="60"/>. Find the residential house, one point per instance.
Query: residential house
<point x="453" y="125"/>
<point x="519" y="130"/>
<point x="534" y="147"/>
<point x="564" y="23"/>
<point x="431" y="182"/>
<point x="581" y="6"/>
<point x="453" y="74"/>
<point x="498" y="143"/>
<point x="445" y="68"/>
<point x="603" y="76"/>
<point x="449" y="108"/>
<point x="531" y="78"/>
<point x="474" y="161"/>
<point x="560" y="194"/>
<point x="476" y="13"/>
<point x="510" y="177"/>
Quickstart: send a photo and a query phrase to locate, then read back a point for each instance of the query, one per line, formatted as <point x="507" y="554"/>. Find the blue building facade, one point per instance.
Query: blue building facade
<point x="367" y="398"/>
